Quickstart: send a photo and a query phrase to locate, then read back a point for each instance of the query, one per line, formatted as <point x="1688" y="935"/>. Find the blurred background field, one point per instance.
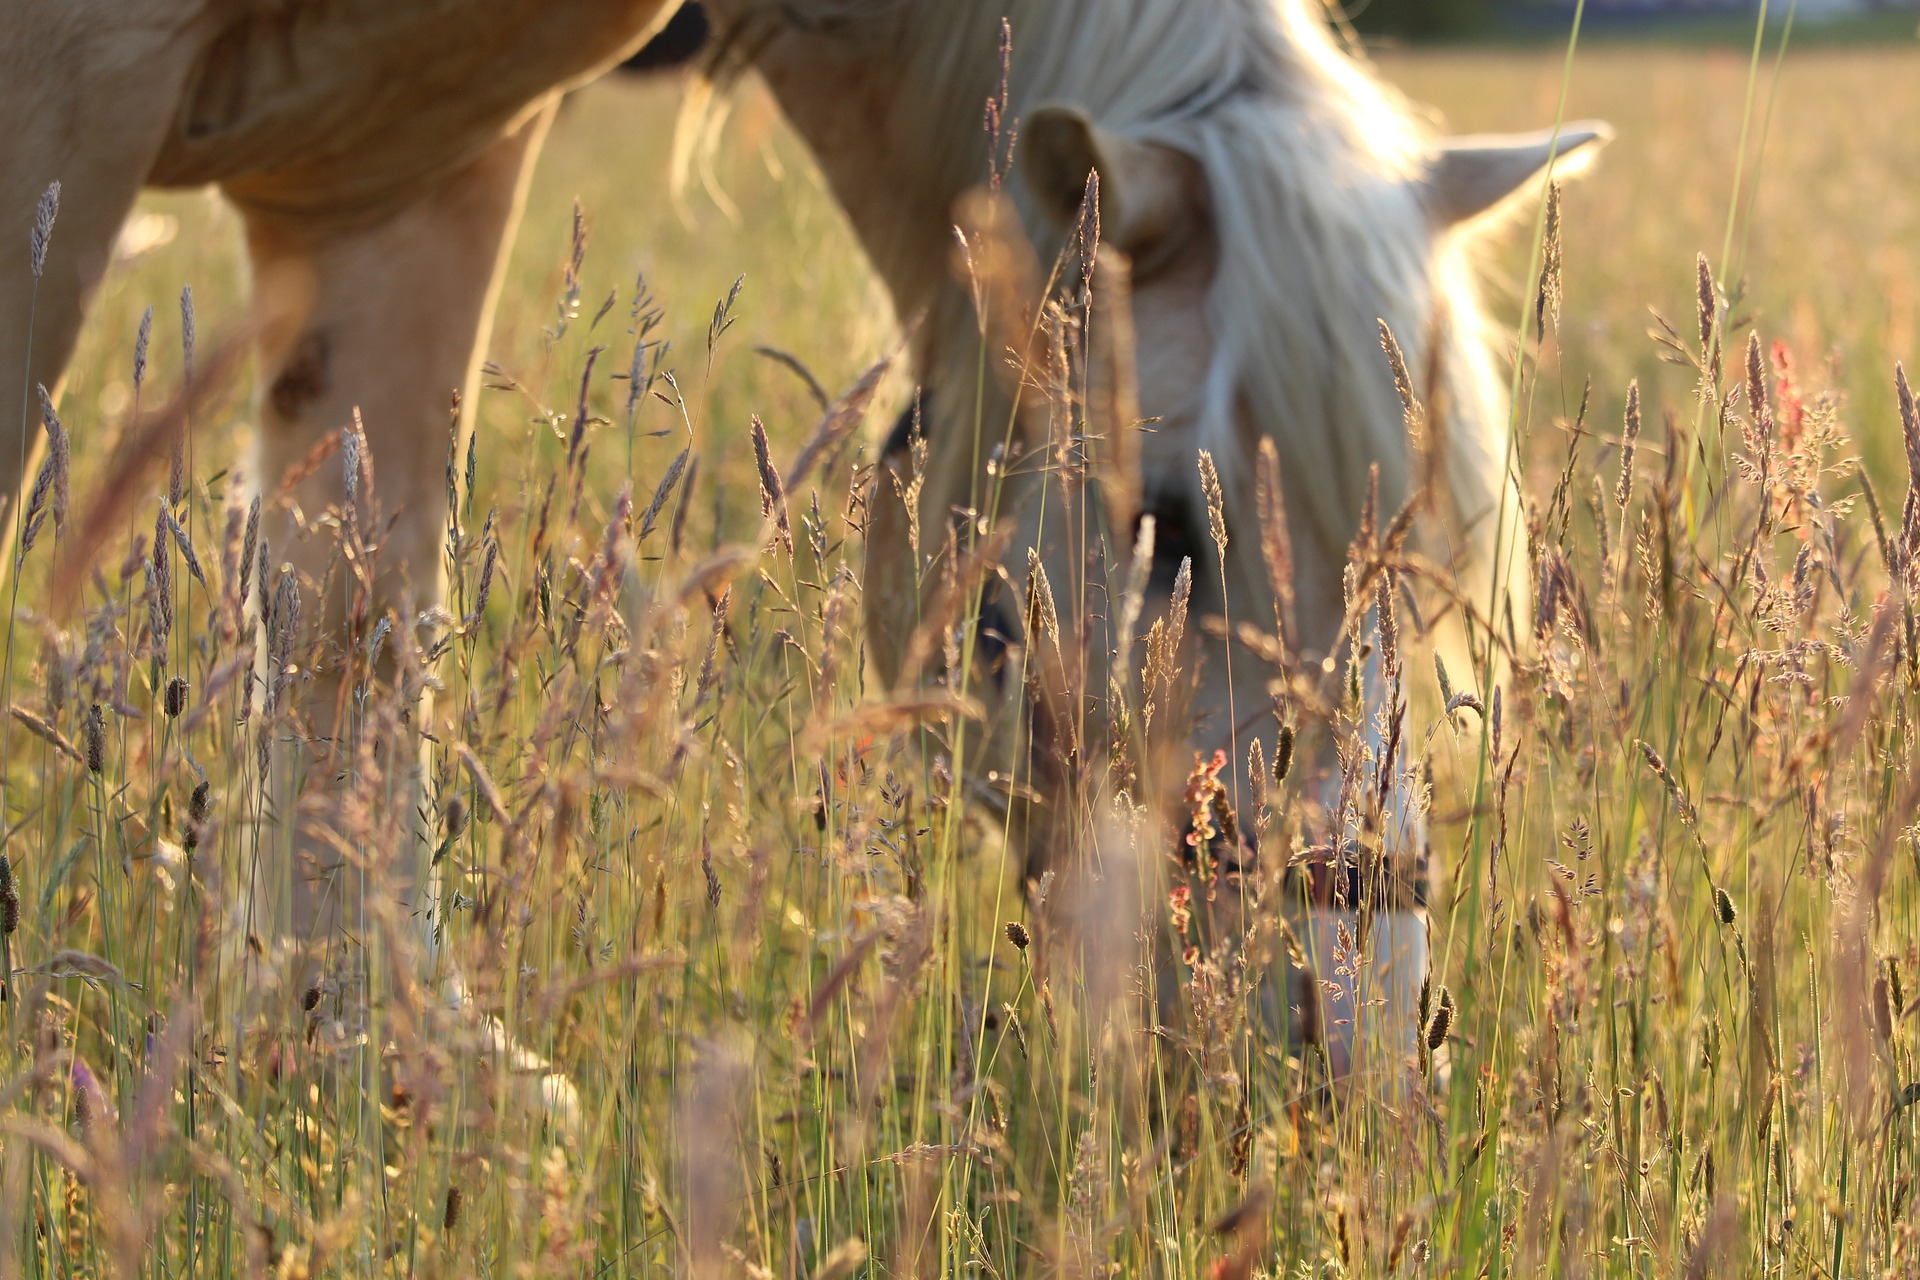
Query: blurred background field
<point x="1670" y="20"/>
<point x="1824" y="247"/>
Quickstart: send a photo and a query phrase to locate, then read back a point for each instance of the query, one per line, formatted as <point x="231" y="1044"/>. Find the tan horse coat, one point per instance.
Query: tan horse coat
<point x="377" y="151"/>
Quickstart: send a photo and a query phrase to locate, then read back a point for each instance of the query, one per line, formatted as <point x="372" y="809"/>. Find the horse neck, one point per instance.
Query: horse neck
<point x="896" y="153"/>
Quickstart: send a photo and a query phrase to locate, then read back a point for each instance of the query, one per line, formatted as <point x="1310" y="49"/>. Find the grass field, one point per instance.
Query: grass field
<point x="1678" y="886"/>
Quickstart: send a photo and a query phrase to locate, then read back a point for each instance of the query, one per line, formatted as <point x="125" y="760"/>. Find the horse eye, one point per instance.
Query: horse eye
<point x="1175" y="538"/>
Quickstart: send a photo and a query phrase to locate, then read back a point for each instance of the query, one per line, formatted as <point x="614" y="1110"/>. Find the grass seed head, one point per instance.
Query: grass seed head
<point x="1257" y="773"/>
<point x="86" y="1100"/>
<point x="177" y="457"/>
<point x="176" y="697"/>
<point x="1909" y="423"/>
<point x="1283" y="754"/>
<point x="1389" y="631"/>
<point x="1628" y="439"/>
<point x="177" y="532"/>
<point x="1546" y="304"/>
<point x="262" y="560"/>
<point x="249" y="547"/>
<point x="159" y="571"/>
<point x="1276" y="542"/>
<point x="9" y="905"/>
<point x="42" y="233"/>
<point x="1442" y="1021"/>
<point x="59" y="460"/>
<point x="199" y="804"/>
<point x="35" y="517"/>
<point x="488" y="567"/>
<point x="1759" y="408"/>
<point x="1216" y="503"/>
<point x="1707" y="303"/>
<point x="1657" y="765"/>
<point x="352" y="442"/>
<point x="187" y="331"/>
<point x="94" y="732"/>
<point x="1411" y="413"/>
<point x="140" y="344"/>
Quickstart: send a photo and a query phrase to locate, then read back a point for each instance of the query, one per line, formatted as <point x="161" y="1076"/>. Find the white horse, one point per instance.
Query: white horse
<point x="1278" y="203"/>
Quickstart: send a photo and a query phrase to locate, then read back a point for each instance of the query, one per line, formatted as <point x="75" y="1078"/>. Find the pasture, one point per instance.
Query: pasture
<point x="689" y="852"/>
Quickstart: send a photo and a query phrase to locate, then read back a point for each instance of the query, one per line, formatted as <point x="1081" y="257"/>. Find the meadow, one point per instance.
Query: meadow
<point x="687" y="852"/>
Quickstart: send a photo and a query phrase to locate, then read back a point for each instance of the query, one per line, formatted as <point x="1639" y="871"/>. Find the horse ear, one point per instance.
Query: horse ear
<point x="1148" y="193"/>
<point x="1470" y="176"/>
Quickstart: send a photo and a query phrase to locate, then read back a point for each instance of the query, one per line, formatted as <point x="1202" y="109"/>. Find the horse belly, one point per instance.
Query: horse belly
<point x="333" y="103"/>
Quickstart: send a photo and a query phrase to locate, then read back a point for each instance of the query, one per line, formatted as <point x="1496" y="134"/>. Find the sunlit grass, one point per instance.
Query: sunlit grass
<point x="684" y="858"/>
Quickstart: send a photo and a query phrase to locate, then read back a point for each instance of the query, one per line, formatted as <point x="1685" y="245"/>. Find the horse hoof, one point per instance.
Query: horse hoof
<point x="534" y="1087"/>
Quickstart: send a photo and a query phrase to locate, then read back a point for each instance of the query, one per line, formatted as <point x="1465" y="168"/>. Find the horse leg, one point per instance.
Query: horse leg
<point x="1357" y="900"/>
<point x="385" y="314"/>
<point x="88" y="109"/>
<point x="1365" y="925"/>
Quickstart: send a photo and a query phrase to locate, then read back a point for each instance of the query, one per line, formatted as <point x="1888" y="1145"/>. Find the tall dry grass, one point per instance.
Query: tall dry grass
<point x="682" y="848"/>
